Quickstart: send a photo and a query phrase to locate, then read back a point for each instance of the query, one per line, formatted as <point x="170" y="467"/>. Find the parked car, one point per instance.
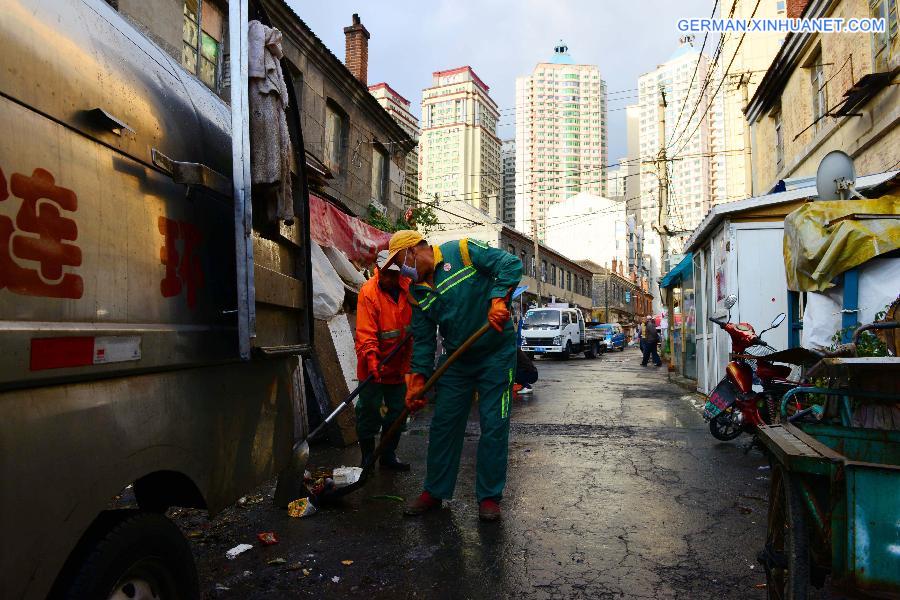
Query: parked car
<point x="559" y="332"/>
<point x="612" y="336"/>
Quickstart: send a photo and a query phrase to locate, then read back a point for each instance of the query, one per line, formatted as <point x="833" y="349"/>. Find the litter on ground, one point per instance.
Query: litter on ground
<point x="239" y="549"/>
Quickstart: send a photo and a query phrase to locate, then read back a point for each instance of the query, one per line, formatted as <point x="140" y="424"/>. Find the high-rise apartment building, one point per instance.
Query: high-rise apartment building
<point x="398" y="107"/>
<point x="459" y="151"/>
<point x="631" y="165"/>
<point x="694" y="139"/>
<point x="508" y="198"/>
<point x="753" y="57"/>
<point x="561" y="141"/>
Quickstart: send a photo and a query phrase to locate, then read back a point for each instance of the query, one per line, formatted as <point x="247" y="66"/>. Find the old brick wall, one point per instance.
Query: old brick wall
<point x="871" y="139"/>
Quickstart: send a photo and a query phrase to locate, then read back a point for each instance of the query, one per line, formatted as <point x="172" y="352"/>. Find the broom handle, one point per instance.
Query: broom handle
<point x="398" y="423"/>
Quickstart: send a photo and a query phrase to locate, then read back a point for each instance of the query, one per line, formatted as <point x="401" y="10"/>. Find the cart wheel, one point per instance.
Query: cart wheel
<point x="723" y="428"/>
<point x="786" y="555"/>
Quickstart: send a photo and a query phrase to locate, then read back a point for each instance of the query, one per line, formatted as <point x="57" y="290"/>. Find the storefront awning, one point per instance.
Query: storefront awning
<point x="676" y="275"/>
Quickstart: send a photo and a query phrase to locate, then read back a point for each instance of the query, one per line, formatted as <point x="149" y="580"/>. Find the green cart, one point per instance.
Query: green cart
<point x="834" y="497"/>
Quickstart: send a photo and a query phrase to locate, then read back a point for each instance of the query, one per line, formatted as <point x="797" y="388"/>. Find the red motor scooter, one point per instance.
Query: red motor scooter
<point x="733" y="406"/>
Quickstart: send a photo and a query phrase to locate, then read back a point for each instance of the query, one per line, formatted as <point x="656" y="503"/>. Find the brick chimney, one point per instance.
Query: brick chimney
<point x="356" y="55"/>
<point x="615" y="264"/>
<point x="795" y="8"/>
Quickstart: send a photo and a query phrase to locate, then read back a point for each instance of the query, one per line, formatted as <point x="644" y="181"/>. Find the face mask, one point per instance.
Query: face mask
<point x="411" y="272"/>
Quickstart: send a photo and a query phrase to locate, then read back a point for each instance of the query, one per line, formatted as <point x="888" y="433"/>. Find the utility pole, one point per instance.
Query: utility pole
<point x="606" y="318"/>
<point x="663" y="175"/>
<point x="748" y="163"/>
<point x="537" y="255"/>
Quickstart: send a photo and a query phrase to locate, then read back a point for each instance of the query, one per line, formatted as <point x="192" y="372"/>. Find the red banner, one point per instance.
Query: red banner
<point x="332" y="228"/>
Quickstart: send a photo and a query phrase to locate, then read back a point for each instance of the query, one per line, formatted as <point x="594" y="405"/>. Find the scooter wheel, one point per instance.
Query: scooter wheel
<point x="723" y="428"/>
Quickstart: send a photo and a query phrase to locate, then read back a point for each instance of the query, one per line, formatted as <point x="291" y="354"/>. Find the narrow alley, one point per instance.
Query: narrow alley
<point x="616" y="490"/>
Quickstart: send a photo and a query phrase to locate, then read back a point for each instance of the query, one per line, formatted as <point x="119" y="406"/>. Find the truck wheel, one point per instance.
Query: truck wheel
<point x="591" y="352"/>
<point x="141" y="555"/>
<point x="622" y="348"/>
<point x="567" y="352"/>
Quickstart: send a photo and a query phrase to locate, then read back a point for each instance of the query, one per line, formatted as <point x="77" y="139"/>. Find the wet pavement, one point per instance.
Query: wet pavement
<point x="615" y="490"/>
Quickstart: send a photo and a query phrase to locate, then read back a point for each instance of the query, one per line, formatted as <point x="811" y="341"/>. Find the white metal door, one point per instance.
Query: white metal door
<point x="762" y="286"/>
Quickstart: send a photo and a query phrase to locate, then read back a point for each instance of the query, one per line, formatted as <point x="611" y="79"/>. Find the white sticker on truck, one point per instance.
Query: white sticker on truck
<point x="120" y="348"/>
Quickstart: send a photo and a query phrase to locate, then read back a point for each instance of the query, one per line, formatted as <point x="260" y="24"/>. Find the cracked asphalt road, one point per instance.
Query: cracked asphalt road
<point x="615" y="490"/>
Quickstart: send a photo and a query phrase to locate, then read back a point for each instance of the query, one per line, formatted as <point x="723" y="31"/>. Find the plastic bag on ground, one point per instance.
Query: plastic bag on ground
<point x="344" y="476"/>
<point x="301" y="507"/>
<point x="328" y="289"/>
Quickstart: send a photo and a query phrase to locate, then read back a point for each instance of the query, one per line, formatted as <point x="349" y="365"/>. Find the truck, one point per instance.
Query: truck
<point x="156" y="326"/>
<point x="558" y="331"/>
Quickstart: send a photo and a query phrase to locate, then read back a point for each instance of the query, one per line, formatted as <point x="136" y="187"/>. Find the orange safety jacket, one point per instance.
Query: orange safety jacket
<point x="381" y="323"/>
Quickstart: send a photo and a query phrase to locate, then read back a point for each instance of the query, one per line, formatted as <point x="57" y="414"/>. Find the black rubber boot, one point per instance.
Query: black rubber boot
<point x="366" y="450"/>
<point x="389" y="460"/>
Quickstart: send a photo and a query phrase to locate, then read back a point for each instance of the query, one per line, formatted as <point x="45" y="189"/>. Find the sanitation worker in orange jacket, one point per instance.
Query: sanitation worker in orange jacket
<point x="458" y="287"/>
<point x="382" y="321"/>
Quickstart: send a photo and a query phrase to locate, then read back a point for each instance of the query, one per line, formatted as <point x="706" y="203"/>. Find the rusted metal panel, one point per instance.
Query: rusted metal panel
<point x="228" y="428"/>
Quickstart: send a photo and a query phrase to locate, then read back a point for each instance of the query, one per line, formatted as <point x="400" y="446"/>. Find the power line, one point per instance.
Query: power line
<point x="710" y="73"/>
<point x="696" y="67"/>
<point x="724" y="76"/>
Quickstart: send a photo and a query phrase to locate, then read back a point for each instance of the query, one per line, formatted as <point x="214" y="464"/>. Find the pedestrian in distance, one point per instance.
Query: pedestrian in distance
<point x="650" y="339"/>
<point x="457" y="287"/>
<point x="383" y="316"/>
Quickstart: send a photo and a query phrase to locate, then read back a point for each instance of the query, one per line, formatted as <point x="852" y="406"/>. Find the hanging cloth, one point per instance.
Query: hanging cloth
<point x="270" y="143"/>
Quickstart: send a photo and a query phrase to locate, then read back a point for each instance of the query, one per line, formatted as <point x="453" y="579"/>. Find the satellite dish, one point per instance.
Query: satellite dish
<point x="836" y="177"/>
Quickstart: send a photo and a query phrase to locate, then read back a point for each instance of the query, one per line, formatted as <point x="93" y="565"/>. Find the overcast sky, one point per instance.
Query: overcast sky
<point x="502" y="39"/>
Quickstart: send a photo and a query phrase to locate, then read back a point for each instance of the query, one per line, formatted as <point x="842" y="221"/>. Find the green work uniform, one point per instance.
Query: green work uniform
<point x="467" y="275"/>
<point x="369" y="420"/>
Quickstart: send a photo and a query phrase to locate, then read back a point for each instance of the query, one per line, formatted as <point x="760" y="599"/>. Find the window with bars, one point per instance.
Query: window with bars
<point x="336" y="137"/>
<point x="779" y="139"/>
<point x="817" y="84"/>
<point x="203" y="30"/>
<point x="379" y="174"/>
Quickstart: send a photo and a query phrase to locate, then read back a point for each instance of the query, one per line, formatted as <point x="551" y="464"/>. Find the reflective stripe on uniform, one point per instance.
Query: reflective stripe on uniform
<point x="392" y="333"/>
<point x="468" y="273"/>
<point x="443" y="285"/>
<point x="504" y="402"/>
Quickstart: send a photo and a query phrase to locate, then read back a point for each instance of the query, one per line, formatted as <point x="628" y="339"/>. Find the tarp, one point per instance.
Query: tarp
<point x="328" y="290"/>
<point x="815" y="253"/>
<point x="878" y="287"/>
<point x="680" y="271"/>
<point x="331" y="228"/>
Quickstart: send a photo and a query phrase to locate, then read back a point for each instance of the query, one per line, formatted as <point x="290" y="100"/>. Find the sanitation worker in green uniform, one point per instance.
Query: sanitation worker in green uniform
<point x="458" y="286"/>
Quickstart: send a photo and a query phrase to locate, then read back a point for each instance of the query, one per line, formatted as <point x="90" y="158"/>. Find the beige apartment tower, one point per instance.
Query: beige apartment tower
<point x="459" y="151"/>
<point x="398" y="107"/>
<point x="753" y="56"/>
<point x="561" y="141"/>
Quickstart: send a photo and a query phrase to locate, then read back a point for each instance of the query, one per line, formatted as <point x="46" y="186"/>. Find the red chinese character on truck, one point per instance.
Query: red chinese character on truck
<point x="41" y="234"/>
<point x="183" y="270"/>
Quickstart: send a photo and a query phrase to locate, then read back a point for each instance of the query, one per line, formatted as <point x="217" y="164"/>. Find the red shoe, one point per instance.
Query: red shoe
<point x="489" y="510"/>
<point x="422" y="504"/>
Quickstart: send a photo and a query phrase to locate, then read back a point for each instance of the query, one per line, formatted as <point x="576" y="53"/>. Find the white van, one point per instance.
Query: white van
<point x="558" y="332"/>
